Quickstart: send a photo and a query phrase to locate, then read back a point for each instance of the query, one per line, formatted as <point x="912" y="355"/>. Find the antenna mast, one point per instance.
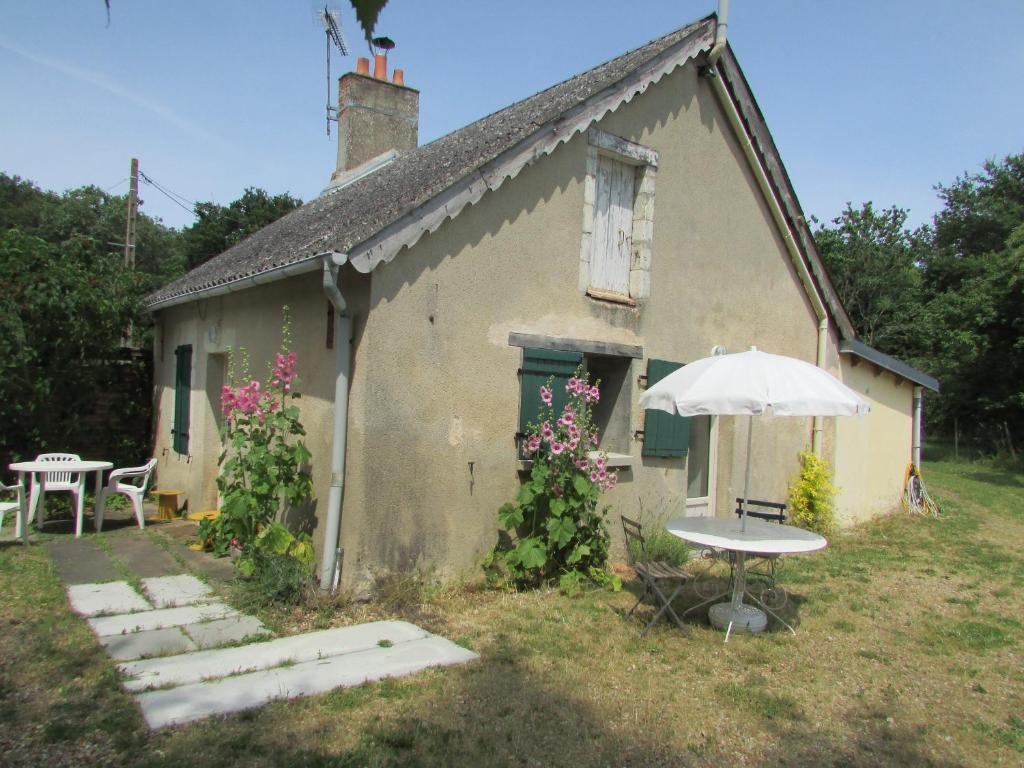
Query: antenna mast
<point x="329" y="18"/>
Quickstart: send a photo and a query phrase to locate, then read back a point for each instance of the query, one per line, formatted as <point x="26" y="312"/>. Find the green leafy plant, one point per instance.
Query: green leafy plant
<point x="263" y="464"/>
<point x="812" y="496"/>
<point x="558" y="531"/>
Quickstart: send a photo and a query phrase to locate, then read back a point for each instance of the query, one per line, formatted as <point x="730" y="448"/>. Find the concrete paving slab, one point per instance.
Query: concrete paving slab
<point x="206" y="665"/>
<point x="166" y="617"/>
<point x="153" y="642"/>
<point x="224" y="631"/>
<point x="109" y="597"/>
<point x="198" y="700"/>
<point x="172" y="591"/>
<point x="80" y="561"/>
<point x="141" y="556"/>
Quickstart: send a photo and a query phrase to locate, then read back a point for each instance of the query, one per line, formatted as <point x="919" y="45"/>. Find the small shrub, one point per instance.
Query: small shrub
<point x="812" y="497"/>
<point x="280" y="579"/>
<point x="662" y="545"/>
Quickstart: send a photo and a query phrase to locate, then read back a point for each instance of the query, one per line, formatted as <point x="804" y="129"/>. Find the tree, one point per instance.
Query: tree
<point x="873" y="260"/>
<point x="63" y="312"/>
<point x="973" y="334"/>
<point x="219" y="227"/>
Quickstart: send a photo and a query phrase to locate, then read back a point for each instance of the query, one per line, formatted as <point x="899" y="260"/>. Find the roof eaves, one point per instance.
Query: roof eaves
<point x="889" y="363"/>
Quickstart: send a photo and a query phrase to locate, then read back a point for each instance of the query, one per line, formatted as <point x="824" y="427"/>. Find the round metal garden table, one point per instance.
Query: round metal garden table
<point x="756" y="538"/>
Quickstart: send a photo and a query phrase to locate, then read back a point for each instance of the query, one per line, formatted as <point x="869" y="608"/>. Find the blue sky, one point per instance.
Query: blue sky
<point x="871" y="100"/>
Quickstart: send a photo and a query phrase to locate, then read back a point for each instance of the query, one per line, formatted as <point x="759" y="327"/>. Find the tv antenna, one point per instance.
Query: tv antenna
<point x="330" y="19"/>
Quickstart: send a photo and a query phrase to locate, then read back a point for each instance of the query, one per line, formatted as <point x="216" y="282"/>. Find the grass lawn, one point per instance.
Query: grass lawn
<point x="910" y="652"/>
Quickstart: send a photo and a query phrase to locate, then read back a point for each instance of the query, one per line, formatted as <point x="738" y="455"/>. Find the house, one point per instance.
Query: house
<point x="630" y="219"/>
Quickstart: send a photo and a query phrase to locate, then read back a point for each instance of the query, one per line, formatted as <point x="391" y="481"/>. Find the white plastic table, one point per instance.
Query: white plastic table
<point x="756" y="538"/>
<point x="37" y="470"/>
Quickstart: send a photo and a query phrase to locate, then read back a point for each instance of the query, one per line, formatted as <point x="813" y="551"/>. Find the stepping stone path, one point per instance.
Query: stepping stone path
<point x="170" y="639"/>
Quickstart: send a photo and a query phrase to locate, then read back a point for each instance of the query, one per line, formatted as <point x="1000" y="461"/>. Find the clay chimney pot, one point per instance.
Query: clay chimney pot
<point x="362" y="66"/>
<point x="380" y="66"/>
<point x="398" y="77"/>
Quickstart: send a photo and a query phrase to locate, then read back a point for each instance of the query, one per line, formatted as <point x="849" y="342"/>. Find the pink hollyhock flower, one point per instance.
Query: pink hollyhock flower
<point x="574" y="431"/>
<point x="573" y="442"/>
<point x="599" y="462"/>
<point x="581" y="464"/>
<point x="533" y="444"/>
<point x="602" y="475"/>
<point x="593" y="477"/>
<point x="545" y="395"/>
<point x="556" y="447"/>
<point x="593" y="395"/>
<point x="546" y="431"/>
<point x="571" y="386"/>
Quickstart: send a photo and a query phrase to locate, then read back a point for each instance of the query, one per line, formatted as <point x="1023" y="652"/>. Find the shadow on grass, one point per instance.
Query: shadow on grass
<point x="782" y="600"/>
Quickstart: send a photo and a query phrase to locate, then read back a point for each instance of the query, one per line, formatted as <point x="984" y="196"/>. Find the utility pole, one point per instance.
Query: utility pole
<point x="133" y="210"/>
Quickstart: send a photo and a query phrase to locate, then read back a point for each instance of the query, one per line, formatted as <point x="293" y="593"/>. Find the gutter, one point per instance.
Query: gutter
<point x="331" y="560"/>
<point x="310" y="264"/>
<point x="761" y="176"/>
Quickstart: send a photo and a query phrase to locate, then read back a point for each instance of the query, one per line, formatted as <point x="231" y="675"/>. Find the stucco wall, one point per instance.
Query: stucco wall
<point x="872" y="452"/>
<point x="435" y="391"/>
<point x="248" y="319"/>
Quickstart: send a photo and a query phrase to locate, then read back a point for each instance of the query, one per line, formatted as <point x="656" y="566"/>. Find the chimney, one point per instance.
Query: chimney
<point x="374" y="115"/>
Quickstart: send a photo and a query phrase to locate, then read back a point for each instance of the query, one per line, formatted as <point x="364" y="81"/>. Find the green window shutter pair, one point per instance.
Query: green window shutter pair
<point x="182" y="392"/>
<point x="538" y="366"/>
<point x="665" y="434"/>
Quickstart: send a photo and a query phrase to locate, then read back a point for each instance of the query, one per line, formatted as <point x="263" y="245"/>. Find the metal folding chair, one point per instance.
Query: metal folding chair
<point x="652" y="573"/>
<point x="770" y="511"/>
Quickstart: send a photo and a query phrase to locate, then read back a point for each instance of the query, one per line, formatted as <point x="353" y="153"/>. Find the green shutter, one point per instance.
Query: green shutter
<point x="665" y="434"/>
<point x="182" y="393"/>
<point x="538" y="366"/>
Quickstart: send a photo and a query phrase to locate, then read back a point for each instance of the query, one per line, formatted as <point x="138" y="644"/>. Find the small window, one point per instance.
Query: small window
<point x="618" y="219"/>
<point x="538" y="366"/>
<point x="612" y="412"/>
<point x="665" y="434"/>
<point x="182" y="396"/>
<point x="612" y="237"/>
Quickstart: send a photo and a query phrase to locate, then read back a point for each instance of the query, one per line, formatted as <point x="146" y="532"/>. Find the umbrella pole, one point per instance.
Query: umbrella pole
<point x="746" y="484"/>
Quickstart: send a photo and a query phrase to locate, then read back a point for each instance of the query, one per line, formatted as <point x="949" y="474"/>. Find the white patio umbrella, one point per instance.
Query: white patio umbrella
<point x="750" y="384"/>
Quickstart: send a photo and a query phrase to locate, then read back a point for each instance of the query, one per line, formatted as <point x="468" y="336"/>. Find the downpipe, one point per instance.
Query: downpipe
<point x="331" y="562"/>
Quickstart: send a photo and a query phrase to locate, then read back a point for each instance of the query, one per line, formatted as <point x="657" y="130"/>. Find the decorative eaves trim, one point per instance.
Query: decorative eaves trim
<point x="407" y="230"/>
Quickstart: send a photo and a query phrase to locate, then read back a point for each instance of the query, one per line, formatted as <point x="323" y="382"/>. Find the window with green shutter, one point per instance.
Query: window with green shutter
<point x="665" y="434"/>
<point x="538" y="366"/>
<point x="182" y="393"/>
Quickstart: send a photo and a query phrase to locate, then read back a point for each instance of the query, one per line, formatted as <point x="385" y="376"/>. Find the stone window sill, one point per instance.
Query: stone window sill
<point x="612" y="461"/>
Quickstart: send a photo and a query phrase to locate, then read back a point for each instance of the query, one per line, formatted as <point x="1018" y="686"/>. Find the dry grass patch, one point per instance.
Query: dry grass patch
<point x="908" y="654"/>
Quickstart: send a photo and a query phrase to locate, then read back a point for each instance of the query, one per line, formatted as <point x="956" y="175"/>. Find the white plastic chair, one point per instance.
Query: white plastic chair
<point x="72" y="482"/>
<point x="132" y="482"/>
<point x="9" y="506"/>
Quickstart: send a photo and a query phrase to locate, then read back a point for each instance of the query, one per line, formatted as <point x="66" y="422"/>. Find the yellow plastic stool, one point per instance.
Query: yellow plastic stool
<point x="168" y="509"/>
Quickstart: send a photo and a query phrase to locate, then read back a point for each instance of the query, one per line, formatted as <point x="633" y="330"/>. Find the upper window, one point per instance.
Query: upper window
<point x="618" y="219"/>
<point x="612" y="238"/>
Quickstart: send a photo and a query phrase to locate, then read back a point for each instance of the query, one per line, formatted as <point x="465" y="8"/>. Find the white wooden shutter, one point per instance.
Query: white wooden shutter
<point x="613" y="226"/>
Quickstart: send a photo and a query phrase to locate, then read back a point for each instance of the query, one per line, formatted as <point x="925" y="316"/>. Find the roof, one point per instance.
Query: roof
<point x="882" y="360"/>
<point x="372" y="219"/>
<point x="351" y="216"/>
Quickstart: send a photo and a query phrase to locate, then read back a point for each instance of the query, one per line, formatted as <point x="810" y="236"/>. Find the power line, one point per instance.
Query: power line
<point x="177" y="199"/>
